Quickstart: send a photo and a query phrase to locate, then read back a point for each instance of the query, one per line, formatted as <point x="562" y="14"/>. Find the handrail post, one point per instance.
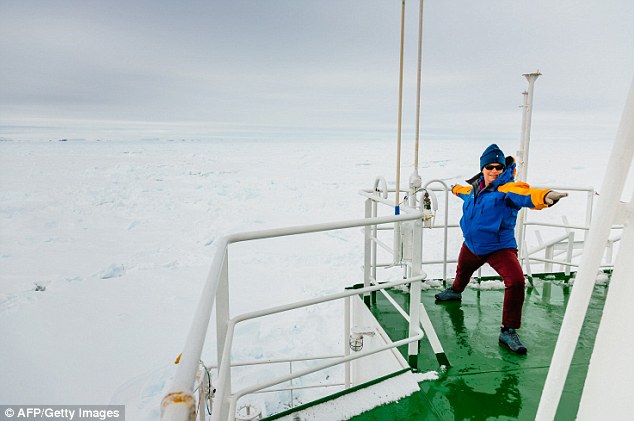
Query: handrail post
<point x="367" y="251"/>
<point x="589" y="207"/>
<point x="346" y="346"/>
<point x="522" y="167"/>
<point x="569" y="250"/>
<point x="549" y="255"/>
<point x="445" y="237"/>
<point x="414" y="293"/>
<point x="203" y="395"/>
<point x="446" y="189"/>
<point x="374" y="231"/>
<point x="222" y="324"/>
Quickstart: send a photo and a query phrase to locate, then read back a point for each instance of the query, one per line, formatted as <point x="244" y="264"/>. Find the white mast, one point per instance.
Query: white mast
<point x="400" y="115"/>
<point x="522" y="154"/>
<point x="415" y="180"/>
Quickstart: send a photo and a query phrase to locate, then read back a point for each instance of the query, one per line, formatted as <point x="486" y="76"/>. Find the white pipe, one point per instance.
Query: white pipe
<point x="418" y="85"/>
<point x="310" y="386"/>
<point x="346" y="346"/>
<point x="428" y="329"/>
<point x="384" y="246"/>
<point x="526" y="126"/>
<point x="574" y="227"/>
<point x="371" y="195"/>
<point x="552" y="261"/>
<point x="607" y="392"/>
<point x="374" y="233"/>
<point x="367" y="246"/>
<point x="318" y="300"/>
<point x="383" y="184"/>
<point x="522" y="171"/>
<point x="326" y="226"/>
<point x="356" y="355"/>
<point x="396" y="305"/>
<point x="607" y="205"/>
<point x="400" y="113"/>
<point x="186" y="370"/>
<point x="277" y="360"/>
<point x="520" y="152"/>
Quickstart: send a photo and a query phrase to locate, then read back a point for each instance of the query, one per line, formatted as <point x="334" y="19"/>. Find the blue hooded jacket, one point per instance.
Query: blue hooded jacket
<point x="489" y="213"/>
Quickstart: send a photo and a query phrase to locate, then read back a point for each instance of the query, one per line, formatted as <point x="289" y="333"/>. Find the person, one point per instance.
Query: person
<point x="492" y="200"/>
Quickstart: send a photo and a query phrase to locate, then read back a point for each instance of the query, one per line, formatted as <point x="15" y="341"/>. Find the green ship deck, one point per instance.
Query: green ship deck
<point x="486" y="380"/>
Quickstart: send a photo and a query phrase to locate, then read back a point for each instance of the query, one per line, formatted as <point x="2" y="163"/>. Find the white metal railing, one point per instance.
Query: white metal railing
<point x="225" y="395"/>
<point x="179" y="403"/>
<point x="289" y="362"/>
<point x="407" y="252"/>
<point x="564" y="244"/>
<point x="376" y="196"/>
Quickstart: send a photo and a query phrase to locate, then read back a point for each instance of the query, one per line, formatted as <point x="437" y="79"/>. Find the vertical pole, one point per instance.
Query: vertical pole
<point x="589" y="206"/>
<point x="446" y="229"/>
<point x="549" y="255"/>
<point x="527" y="263"/>
<point x="606" y="394"/>
<point x="396" y="258"/>
<point x="346" y="346"/>
<point x="526" y="124"/>
<point x="414" y="294"/>
<point x="374" y="233"/>
<point x="522" y="171"/>
<point x="418" y="83"/>
<point x="571" y="245"/>
<point x="611" y="190"/>
<point x="222" y="324"/>
<point x="520" y="153"/>
<point x="400" y="114"/>
<point x="290" y="371"/>
<point x="222" y="308"/>
<point x="397" y="250"/>
<point x="415" y="180"/>
<point x="367" y="251"/>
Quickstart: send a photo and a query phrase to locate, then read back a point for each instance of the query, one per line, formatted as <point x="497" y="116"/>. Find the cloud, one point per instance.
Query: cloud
<point x="327" y="65"/>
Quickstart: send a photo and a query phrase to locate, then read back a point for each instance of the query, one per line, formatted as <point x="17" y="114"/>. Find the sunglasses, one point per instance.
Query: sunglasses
<point x="494" y="167"/>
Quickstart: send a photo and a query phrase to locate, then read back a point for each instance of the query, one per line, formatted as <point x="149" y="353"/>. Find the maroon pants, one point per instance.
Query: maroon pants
<point x="505" y="263"/>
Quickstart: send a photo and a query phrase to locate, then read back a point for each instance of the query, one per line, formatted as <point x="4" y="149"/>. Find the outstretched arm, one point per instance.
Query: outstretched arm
<point x="522" y="195"/>
<point x="461" y="191"/>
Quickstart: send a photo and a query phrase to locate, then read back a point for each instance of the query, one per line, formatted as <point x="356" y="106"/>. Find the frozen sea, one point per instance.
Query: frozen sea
<point x="105" y="245"/>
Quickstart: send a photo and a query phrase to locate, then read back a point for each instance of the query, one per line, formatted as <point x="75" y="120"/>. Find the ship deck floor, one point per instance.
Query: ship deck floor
<point x="486" y="380"/>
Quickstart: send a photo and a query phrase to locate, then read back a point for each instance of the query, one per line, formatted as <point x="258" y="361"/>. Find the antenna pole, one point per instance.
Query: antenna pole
<point x="415" y="180"/>
<point x="418" y="83"/>
<point x="400" y="115"/>
<point x="522" y="154"/>
<point x="526" y="126"/>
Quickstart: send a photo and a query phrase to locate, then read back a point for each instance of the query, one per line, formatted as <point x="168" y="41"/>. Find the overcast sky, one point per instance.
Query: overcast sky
<point x="324" y="68"/>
